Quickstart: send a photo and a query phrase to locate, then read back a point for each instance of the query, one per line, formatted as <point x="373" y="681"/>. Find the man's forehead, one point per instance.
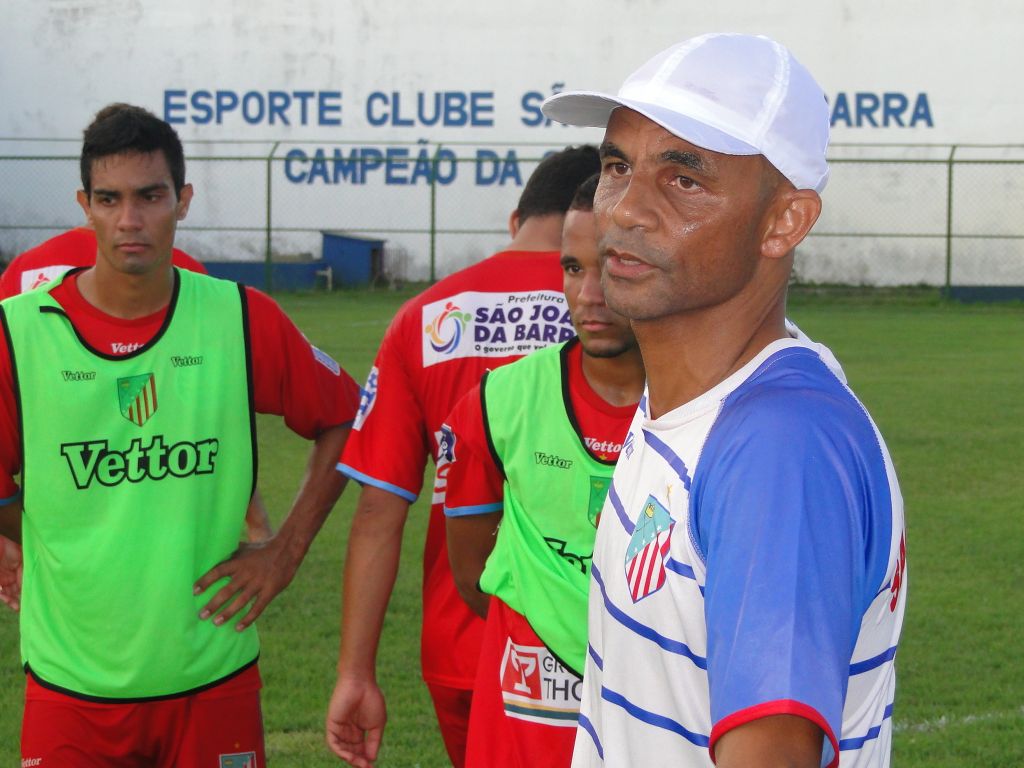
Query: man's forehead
<point x="637" y="137"/>
<point x="627" y="124"/>
<point x="152" y="164"/>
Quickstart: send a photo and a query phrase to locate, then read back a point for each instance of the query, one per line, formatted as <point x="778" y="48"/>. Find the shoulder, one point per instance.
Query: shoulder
<point x="183" y="260"/>
<point x="539" y="363"/>
<point x="793" y="411"/>
<point x="260" y="307"/>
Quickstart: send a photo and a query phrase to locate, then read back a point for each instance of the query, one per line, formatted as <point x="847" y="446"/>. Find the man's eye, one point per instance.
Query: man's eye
<point x="685" y="182"/>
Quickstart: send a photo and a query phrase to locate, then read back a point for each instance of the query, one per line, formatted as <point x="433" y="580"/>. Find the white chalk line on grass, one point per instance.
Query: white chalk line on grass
<point x="941" y="723"/>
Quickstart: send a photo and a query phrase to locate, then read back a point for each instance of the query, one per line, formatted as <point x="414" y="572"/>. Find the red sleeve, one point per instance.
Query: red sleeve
<point x="293" y="378"/>
<point x="388" y="446"/>
<point x="475" y="484"/>
<point x="10" y="285"/>
<point x="10" y="437"/>
<point x="181" y="259"/>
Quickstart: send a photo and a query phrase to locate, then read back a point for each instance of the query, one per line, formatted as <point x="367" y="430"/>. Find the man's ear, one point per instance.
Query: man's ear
<point x="790" y="218"/>
<point x="513" y="224"/>
<point x="83" y="201"/>
<point x="184" y="200"/>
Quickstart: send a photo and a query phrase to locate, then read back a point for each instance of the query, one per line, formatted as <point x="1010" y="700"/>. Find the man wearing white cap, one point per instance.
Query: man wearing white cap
<point x="749" y="573"/>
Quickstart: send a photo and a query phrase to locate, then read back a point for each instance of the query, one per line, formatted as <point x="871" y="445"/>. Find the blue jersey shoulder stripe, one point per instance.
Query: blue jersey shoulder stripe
<point x="875" y="661"/>
<point x="670" y="457"/>
<point x="665" y="643"/>
<point x="681" y="568"/>
<point x="373" y="482"/>
<point x="474" y="509"/>
<point x="588" y="726"/>
<point x="652" y="718"/>
<point x="594" y="655"/>
<point x="873" y="732"/>
<point x="620" y="511"/>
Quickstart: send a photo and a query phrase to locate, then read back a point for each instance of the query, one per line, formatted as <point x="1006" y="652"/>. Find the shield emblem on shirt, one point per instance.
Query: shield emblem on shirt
<point x="648" y="549"/>
<point x="137" y="397"/>
<point x="598" y="493"/>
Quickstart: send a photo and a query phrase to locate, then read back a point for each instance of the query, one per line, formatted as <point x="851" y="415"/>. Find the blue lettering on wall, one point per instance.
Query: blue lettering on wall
<point x="864" y="109"/>
<point x="532" y="116"/>
<point x="492" y="169"/>
<point x="395" y="166"/>
<point x="449" y="109"/>
<point x="202" y="107"/>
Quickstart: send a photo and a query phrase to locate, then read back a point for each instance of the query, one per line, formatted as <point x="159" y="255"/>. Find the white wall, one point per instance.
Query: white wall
<point x="943" y="71"/>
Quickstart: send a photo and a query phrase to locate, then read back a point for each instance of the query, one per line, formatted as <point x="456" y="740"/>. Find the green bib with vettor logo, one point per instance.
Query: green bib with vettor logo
<point x="554" y="490"/>
<point x="137" y="473"/>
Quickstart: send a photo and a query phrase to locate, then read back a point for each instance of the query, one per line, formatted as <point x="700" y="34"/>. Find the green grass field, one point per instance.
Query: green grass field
<point x="945" y="383"/>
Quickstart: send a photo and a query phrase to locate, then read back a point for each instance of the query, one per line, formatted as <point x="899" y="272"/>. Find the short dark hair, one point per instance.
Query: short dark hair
<point x="583" y="200"/>
<point x="123" y="128"/>
<point x="553" y="183"/>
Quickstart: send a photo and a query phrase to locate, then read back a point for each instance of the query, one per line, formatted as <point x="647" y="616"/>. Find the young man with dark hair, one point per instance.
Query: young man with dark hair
<point x="531" y="452"/>
<point x="749" y="576"/>
<point x="136" y="469"/>
<point x="125" y="125"/>
<point x="437" y="347"/>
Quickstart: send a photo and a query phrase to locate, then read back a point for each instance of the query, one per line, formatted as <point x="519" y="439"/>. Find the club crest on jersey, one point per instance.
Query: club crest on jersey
<point x="648" y="549"/>
<point x="136" y="396"/>
<point x="446" y="443"/>
<point x="445" y="331"/>
<point x="367" y="398"/>
<point x="598" y="494"/>
<point x="238" y="760"/>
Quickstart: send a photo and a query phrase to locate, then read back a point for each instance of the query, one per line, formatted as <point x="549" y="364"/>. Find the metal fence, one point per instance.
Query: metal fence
<point x="894" y="214"/>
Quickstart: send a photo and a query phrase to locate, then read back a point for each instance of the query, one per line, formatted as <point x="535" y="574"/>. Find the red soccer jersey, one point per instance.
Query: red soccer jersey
<point x="290" y="376"/>
<point x="437" y="347"/>
<point x="513" y="660"/>
<point x="52" y="258"/>
<point x="475" y="481"/>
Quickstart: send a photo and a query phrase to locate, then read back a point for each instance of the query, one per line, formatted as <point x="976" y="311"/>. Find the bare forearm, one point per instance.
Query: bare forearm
<point x="10" y="521"/>
<point x="321" y="486"/>
<point x="371" y="566"/>
<point x="471" y="540"/>
<point x="780" y="741"/>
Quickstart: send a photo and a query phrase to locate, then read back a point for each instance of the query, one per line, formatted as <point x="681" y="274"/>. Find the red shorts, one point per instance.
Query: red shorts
<point x="220" y="727"/>
<point x="525" y="703"/>
<point x="451" y="705"/>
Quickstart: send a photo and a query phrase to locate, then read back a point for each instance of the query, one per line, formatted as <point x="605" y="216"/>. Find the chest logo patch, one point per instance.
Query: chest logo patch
<point x="137" y="397"/>
<point x="648" y="549"/>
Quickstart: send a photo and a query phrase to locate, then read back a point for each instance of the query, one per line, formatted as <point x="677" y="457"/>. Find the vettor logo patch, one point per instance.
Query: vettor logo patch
<point x="95" y="461"/>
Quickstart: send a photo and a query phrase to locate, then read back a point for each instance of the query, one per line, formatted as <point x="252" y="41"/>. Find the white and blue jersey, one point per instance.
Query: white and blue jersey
<point x="750" y="561"/>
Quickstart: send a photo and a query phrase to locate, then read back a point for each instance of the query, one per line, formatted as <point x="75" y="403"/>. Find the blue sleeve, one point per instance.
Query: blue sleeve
<point x="782" y="514"/>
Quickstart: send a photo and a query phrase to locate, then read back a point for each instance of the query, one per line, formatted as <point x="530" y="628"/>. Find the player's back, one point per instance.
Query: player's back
<point x="436" y="349"/>
<point x="480" y="318"/>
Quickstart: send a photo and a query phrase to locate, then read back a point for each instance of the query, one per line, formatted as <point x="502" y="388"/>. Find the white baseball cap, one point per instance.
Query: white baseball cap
<point x="729" y="93"/>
